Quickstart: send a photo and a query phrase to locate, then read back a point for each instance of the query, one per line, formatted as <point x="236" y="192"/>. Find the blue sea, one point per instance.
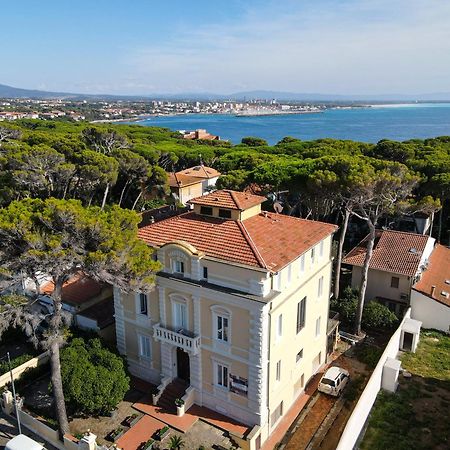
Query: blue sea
<point x="397" y="122"/>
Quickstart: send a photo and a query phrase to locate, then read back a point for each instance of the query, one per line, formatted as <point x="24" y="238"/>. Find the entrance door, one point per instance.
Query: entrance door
<point x="183" y="368"/>
<point x="407" y="341"/>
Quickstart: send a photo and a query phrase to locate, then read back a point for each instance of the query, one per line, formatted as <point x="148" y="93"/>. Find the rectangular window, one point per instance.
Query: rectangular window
<point x="222" y="375"/>
<point x="320" y="288"/>
<point x="395" y="281"/>
<point x="205" y="273"/>
<point x="289" y="274"/>
<point x="302" y="263"/>
<point x="301" y="314"/>
<point x="180" y="316"/>
<point x="143" y="304"/>
<point x="206" y="210"/>
<point x="222" y="328"/>
<point x="317" y="326"/>
<point x="299" y="356"/>
<point x="144" y="346"/>
<point x="276" y="414"/>
<point x="278" y="373"/>
<point x="313" y="255"/>
<point x="178" y="266"/>
<point x="225" y="213"/>
<point x="321" y="249"/>
<point x="280" y="326"/>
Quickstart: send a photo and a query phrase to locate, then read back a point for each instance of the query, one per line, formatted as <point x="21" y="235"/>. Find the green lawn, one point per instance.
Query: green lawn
<point x="416" y="416"/>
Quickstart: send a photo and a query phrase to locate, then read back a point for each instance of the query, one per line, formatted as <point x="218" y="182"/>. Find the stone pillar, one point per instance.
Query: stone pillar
<point x="88" y="442"/>
<point x="257" y="376"/>
<point x="196" y="360"/>
<point x="162" y="306"/>
<point x="7" y="402"/>
<point x="166" y="360"/>
<point x="119" y="320"/>
<point x="195" y="269"/>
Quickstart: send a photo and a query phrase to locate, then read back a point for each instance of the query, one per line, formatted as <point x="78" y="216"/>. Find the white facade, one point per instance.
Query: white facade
<point x="430" y="312"/>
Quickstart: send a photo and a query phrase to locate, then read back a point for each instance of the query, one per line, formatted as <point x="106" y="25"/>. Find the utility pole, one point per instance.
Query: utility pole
<point x="14" y="394"/>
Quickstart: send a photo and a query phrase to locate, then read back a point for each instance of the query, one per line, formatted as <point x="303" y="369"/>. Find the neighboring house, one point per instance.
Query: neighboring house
<point x="89" y="301"/>
<point x="199" y="134"/>
<point x="398" y="260"/>
<point x="240" y="308"/>
<point x="430" y="296"/>
<point x="193" y="182"/>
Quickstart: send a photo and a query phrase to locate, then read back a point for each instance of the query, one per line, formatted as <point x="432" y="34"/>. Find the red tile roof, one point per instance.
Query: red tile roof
<point x="78" y="290"/>
<point x="266" y="240"/>
<point x="179" y="179"/>
<point x="229" y="199"/>
<point x="394" y="252"/>
<point x="437" y="273"/>
<point x="200" y="172"/>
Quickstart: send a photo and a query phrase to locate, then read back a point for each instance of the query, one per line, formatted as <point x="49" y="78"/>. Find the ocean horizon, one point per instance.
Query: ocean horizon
<point x="366" y="124"/>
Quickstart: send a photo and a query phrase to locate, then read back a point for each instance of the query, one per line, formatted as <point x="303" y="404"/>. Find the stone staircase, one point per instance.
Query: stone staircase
<point x="176" y="389"/>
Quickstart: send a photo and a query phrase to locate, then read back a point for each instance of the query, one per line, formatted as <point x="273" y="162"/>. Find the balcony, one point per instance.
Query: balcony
<point x="181" y="338"/>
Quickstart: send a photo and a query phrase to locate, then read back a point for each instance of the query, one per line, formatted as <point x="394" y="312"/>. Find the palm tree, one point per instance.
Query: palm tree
<point x="175" y="442"/>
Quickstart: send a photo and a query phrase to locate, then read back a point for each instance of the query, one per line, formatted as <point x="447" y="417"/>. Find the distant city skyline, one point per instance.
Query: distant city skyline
<point x="305" y="46"/>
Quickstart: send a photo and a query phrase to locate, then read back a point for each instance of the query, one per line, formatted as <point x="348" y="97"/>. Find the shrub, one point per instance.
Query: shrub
<point x="94" y="378"/>
<point x="375" y="315"/>
<point x="16" y="362"/>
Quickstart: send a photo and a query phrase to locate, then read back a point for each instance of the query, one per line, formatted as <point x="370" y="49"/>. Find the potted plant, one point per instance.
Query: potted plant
<point x="147" y="445"/>
<point x="162" y="433"/>
<point x="131" y="420"/>
<point x="179" y="403"/>
<point x="115" y="434"/>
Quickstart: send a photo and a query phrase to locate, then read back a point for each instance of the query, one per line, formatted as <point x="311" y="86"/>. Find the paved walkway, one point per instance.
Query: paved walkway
<point x="140" y="432"/>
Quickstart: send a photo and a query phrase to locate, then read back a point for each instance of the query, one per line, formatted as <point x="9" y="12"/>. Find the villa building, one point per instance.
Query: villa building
<point x="239" y="311"/>
<point x="398" y="261"/>
<point x="193" y="182"/>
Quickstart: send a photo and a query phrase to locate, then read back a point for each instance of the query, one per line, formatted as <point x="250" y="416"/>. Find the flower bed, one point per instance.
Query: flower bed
<point x="162" y="433"/>
<point x="147" y="445"/>
<point x="115" y="434"/>
<point x="131" y="420"/>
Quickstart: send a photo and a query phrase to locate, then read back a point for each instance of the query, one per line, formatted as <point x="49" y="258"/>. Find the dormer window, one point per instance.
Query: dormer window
<point x="206" y="210"/>
<point x="178" y="266"/>
<point x="225" y="213"/>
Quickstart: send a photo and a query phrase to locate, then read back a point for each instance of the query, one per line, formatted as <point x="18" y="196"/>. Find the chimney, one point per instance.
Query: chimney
<point x="433" y="288"/>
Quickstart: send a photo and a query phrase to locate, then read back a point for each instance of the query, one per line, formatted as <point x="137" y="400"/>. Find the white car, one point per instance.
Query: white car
<point x="333" y="381"/>
<point x="22" y="442"/>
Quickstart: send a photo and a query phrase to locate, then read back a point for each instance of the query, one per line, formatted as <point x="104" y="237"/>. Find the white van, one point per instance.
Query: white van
<point x="333" y="381"/>
<point x="22" y="442"/>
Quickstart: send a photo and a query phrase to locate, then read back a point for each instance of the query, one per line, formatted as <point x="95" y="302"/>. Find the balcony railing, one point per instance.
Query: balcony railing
<point x="180" y="338"/>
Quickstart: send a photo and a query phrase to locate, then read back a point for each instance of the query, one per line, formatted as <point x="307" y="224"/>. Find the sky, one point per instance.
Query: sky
<point x="226" y="46"/>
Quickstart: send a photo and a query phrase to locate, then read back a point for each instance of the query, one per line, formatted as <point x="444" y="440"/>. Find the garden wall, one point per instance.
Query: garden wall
<point x="362" y="409"/>
<point x="33" y="362"/>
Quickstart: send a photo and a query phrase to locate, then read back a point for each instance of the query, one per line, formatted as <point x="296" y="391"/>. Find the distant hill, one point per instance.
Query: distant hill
<point x="13" y="92"/>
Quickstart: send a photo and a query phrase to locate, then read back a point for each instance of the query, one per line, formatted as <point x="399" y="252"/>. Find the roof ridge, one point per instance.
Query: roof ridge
<point x="235" y="200"/>
<point x="253" y="246"/>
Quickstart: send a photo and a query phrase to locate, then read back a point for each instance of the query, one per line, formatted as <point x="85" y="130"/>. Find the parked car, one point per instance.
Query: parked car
<point x="22" y="442"/>
<point x="334" y="381"/>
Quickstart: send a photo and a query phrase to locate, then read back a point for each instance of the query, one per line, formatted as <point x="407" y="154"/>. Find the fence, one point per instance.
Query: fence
<point x="359" y="416"/>
<point x="33" y="362"/>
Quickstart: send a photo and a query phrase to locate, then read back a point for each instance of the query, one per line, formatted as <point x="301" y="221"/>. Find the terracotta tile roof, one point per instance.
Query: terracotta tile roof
<point x="179" y="179"/>
<point x="200" y="172"/>
<point x="394" y="252"/>
<point x="269" y="241"/>
<point x="77" y="290"/>
<point x="229" y="199"/>
<point x="436" y="274"/>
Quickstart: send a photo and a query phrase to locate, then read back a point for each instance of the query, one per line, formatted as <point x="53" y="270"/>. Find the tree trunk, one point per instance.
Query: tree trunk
<point x="105" y="195"/>
<point x="364" y="277"/>
<point x="123" y="191"/>
<point x="337" y="275"/>
<point x="441" y="212"/>
<point x="137" y="199"/>
<point x="55" y="363"/>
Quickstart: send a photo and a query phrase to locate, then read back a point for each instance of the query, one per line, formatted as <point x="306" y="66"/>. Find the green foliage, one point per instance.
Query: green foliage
<point x="176" y="442"/>
<point x="252" y="141"/>
<point x="16" y="362"/>
<point x="94" y="378"/>
<point x="368" y="354"/>
<point x="375" y="315"/>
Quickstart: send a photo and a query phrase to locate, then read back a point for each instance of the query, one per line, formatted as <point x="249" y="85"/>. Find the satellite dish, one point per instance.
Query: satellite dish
<point x="278" y="207"/>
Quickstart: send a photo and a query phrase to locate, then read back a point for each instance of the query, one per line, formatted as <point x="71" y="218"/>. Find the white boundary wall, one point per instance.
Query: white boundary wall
<point x="33" y="362"/>
<point x="361" y="412"/>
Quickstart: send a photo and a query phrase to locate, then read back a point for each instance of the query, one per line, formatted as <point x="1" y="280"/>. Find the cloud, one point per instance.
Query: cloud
<point x="346" y="46"/>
